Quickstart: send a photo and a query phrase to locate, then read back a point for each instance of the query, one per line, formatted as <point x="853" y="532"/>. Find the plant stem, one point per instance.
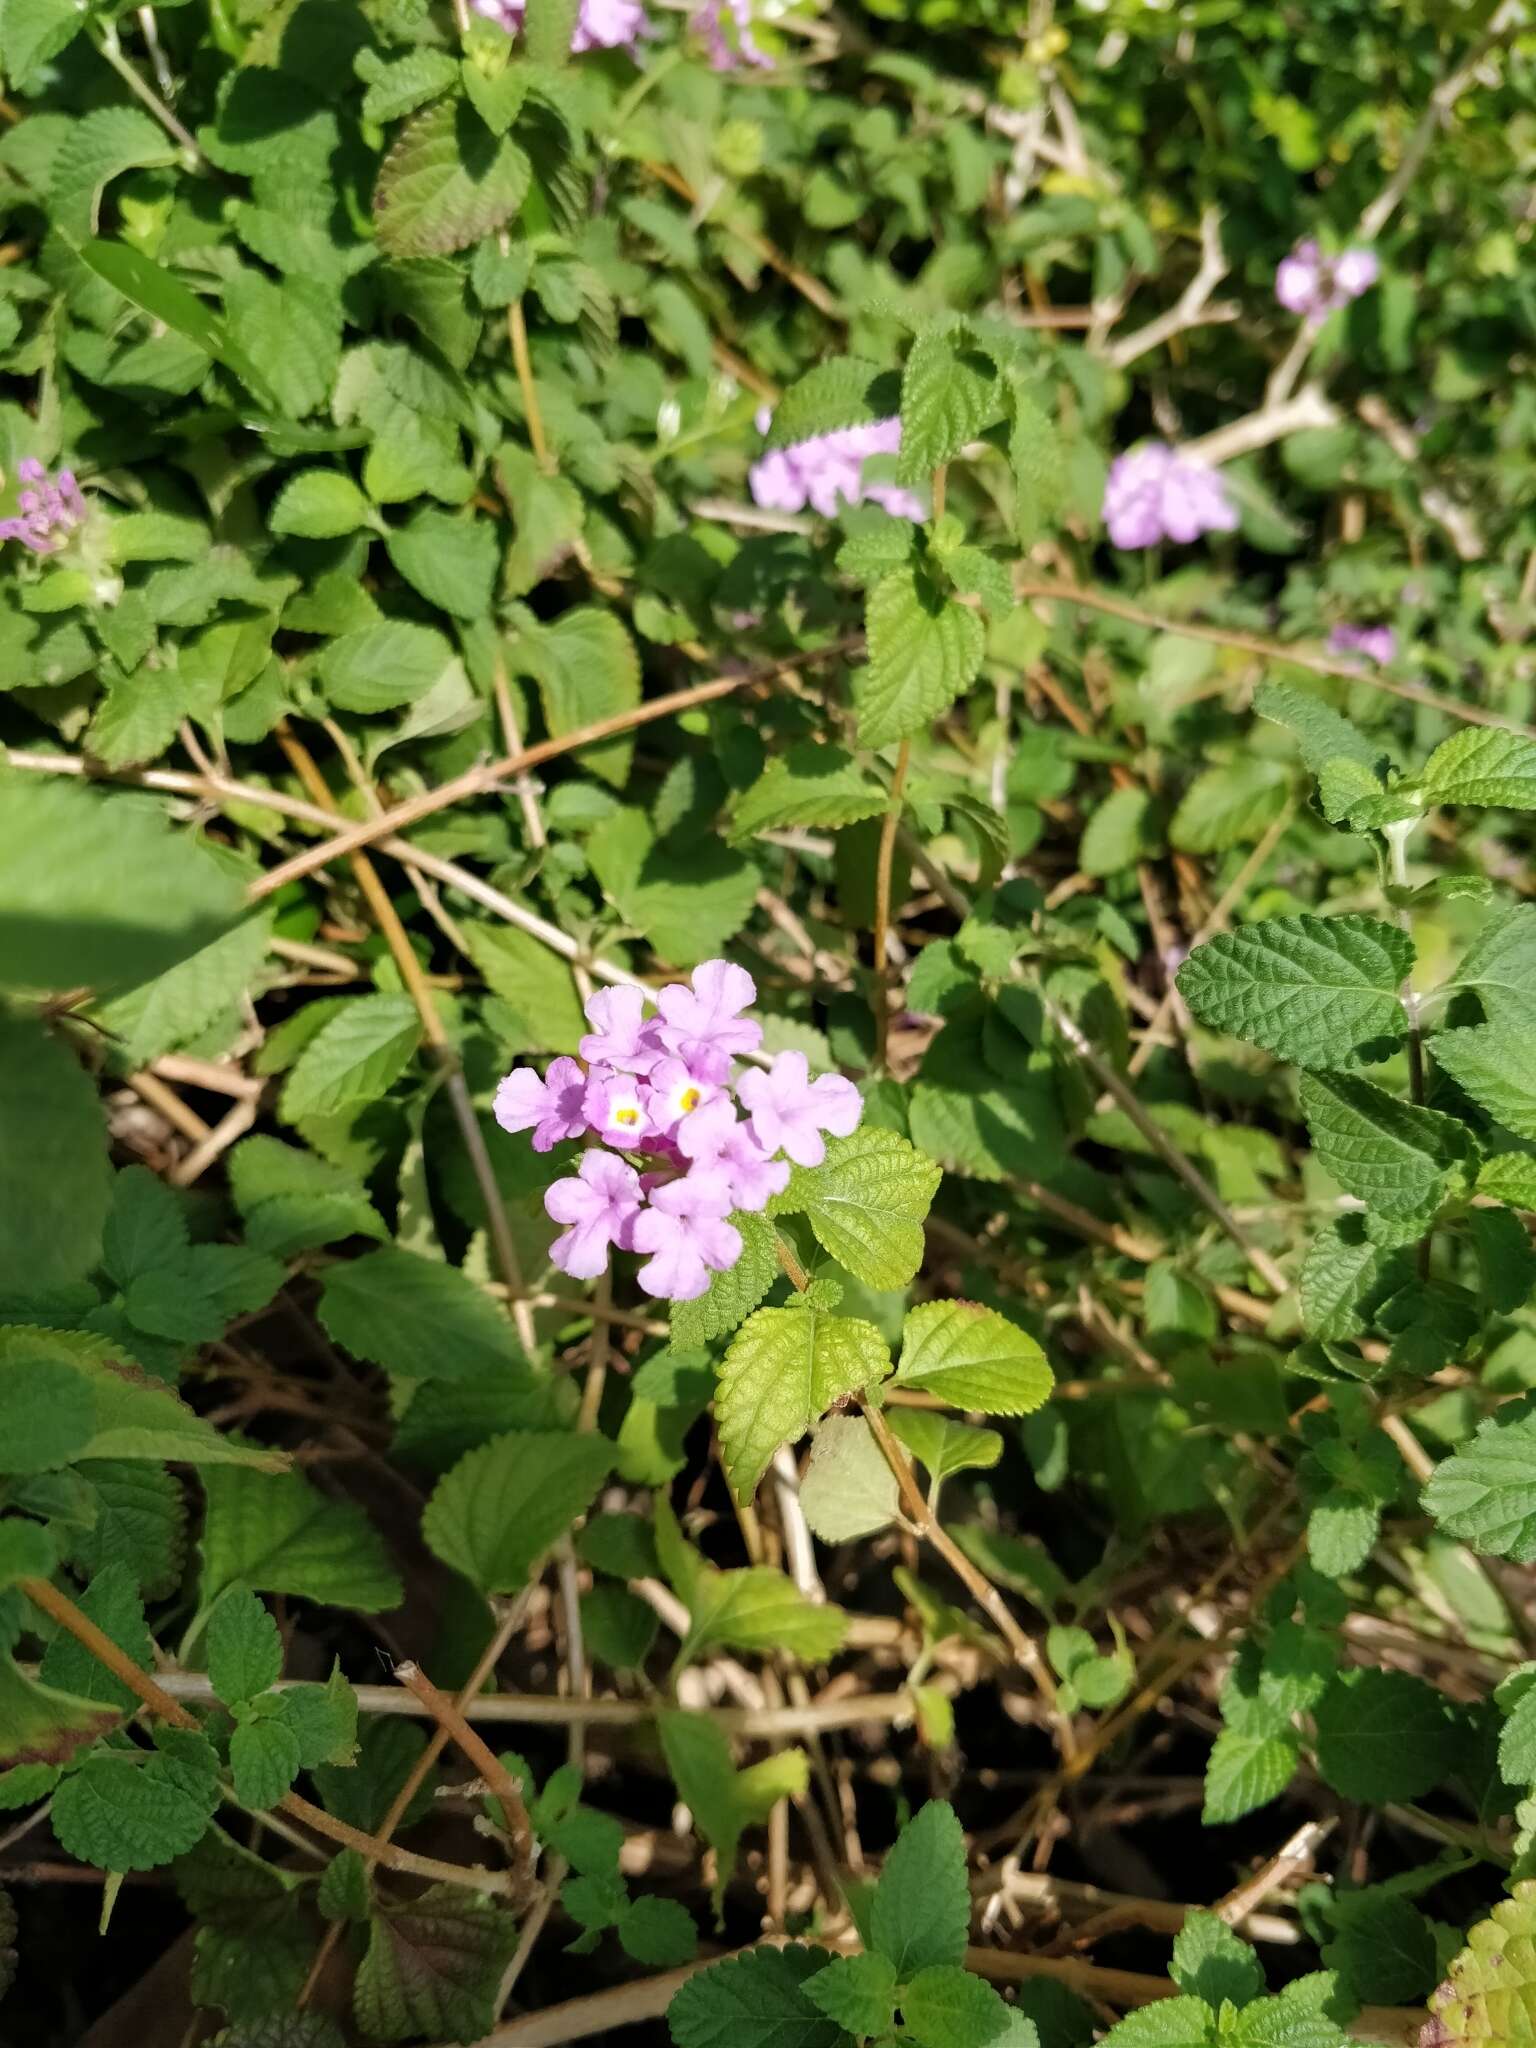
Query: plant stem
<point x="446" y="1714"/>
<point x="888" y="828"/>
<point x="105" y="38"/>
<point x="517" y="330"/>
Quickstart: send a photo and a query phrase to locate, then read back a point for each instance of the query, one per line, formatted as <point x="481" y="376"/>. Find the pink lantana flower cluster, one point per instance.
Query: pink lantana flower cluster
<point x="600" y="25"/>
<point x="1155" y="493"/>
<point x="1314" y="285"/>
<point x="49" y="509"/>
<point x="1376" y="643"/>
<point x="828" y="470"/>
<point x="673" y="1155"/>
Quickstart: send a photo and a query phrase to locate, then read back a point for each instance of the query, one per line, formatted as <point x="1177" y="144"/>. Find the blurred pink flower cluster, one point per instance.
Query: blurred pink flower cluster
<point x="1314" y="285"/>
<point x="600" y="25"/>
<point x="828" y="471"/>
<point x="49" y="509"/>
<point x="662" y="1088"/>
<point x="1376" y="643"/>
<point x="724" y="52"/>
<point x="1155" y="493"/>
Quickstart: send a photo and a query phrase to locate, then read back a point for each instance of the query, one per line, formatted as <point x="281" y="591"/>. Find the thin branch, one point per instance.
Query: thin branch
<point x="888" y="828"/>
<point x="517" y="333"/>
<point x="1191" y="309"/>
<point x="503" y="1787"/>
<point x="1308" y="409"/>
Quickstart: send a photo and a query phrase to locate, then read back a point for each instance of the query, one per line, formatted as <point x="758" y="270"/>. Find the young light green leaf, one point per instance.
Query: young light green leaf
<point x="759" y="1609"/>
<point x="1212" y="1963"/>
<point x="1315" y="991"/>
<point x="1488" y="1999"/>
<point x="946" y="2007"/>
<point x="921" y="1912"/>
<point x="1171" y="2023"/>
<point x="421" y="1319"/>
<point x="1397" y="1157"/>
<point x="732" y="1295"/>
<point x="844" y="391"/>
<point x="784" y="1369"/>
<point x="1322" y="733"/>
<point x="972" y="1357"/>
<point x="1482" y="765"/>
<point x="1232" y="804"/>
<point x="1245" y="1771"/>
<point x="848" y="1489"/>
<point x="722" y="1799"/>
<point x="866" y="1203"/>
<point x="319" y="504"/>
<point x="245" y="1651"/>
<point x="451" y="560"/>
<point x="924" y="649"/>
<point x="275" y="1533"/>
<point x="1118" y="833"/>
<point x="355" y="1057"/>
<point x="944" y="1445"/>
<point x="1485" y="1493"/>
<point x="503" y="1505"/>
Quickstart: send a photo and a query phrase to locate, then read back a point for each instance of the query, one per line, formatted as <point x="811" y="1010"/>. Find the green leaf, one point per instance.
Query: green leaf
<point x="924" y="649"/>
<point x="810" y="786"/>
<point x="112" y="1602"/>
<point x="1382" y="1735"/>
<point x="200" y="992"/>
<point x="866" y="1203"/>
<point x="1397" y="1157"/>
<point x="844" y="391"/>
<point x="1321" y="732"/>
<point x="33" y="32"/>
<point x="264" y="1760"/>
<point x="41" y="1726"/>
<point x="859" y="1992"/>
<point x="733" y="1294"/>
<point x="355" y="1057"/>
<point x="292" y="331"/>
<point x="451" y="560"/>
<point x="1488" y="1999"/>
<point x="757" y="2000"/>
<point x="1171" y="2023"/>
<point x="97" y="891"/>
<point x="759" y="1609"/>
<point x="1230" y="805"/>
<point x="944" y="1445"/>
<point x="549" y="28"/>
<point x="689" y="900"/>
<point x="377" y="668"/>
<point x="536" y="984"/>
<point x="322" y="1720"/>
<point x="47" y="1414"/>
<point x="141" y="1516"/>
<point x="619" y="1627"/>
<point x="319" y="504"/>
<point x="848" y="1489"/>
<point x="57" y="1184"/>
<point x="723" y="1800"/>
<point x="1383" y="1947"/>
<point x="1344" y="1274"/>
<point x="433" y="1966"/>
<point x="972" y="1357"/>
<point x="96" y="148"/>
<point x="949" y="393"/>
<point x="1485" y="1494"/>
<point x="245" y="1651"/>
<point x="404" y="84"/>
<point x="1244" y="1771"/>
<point x="275" y="1533"/>
<point x="446" y="182"/>
<point x="292" y="1201"/>
<point x="946" y="2007"/>
<point x="421" y="1319"/>
<point x="587" y="669"/>
<point x="1482" y="765"/>
<point x="502" y="1506"/>
<point x="785" y="1368"/>
<point x="1500" y="967"/>
<point x="1118" y="833"/>
<point x="1211" y="1962"/>
<point x="1316" y="991"/>
<point x="921" y="1911"/>
<point x="139" y="1811"/>
<point x="1495" y="1064"/>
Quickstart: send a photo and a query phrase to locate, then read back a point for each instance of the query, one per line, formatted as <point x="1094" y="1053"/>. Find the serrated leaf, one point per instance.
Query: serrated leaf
<point x="756" y="2000"/>
<point x="866" y="1203"/>
<point x="1500" y="967"/>
<point x="97" y="147"/>
<point x="140" y="1521"/>
<point x="355" y="1057"/>
<point x="112" y="1602"/>
<point x="533" y="982"/>
<point x="421" y="1319"/>
<point x="378" y="668"/>
<point x="946" y="2007"/>
<point x="264" y="1761"/>
<point x="944" y="1445"/>
<point x="1244" y="1771"/>
<point x="732" y="1295"/>
<point x="1171" y="2023"/>
<point x="1382" y="1735"/>
<point x="587" y="668"/>
<point x="848" y="1490"/>
<point x="1230" y="805"/>
<point x="32" y="32"/>
<point x="1315" y="991"/>
<point x="972" y="1357"/>
<point x="275" y="1533"/>
<point x="1212" y="1963"/>
<point x="446" y="182"/>
<point x="689" y="899"/>
<point x="433" y="1966"/>
<point x="450" y="559"/>
<point x="1485" y="1493"/>
<point x="1397" y="1157"/>
<point x="844" y="391"/>
<point x="784" y="1369"/>
<point x="1345" y="1271"/>
<point x="924" y="649"/>
<point x="1482" y="765"/>
<point x="859" y="1992"/>
<point x="292" y="1200"/>
<point x="245" y="1651"/>
<point x="41" y="1726"/>
<point x="921" y="1911"/>
<point x="404" y="84"/>
<point x="949" y="393"/>
<point x="810" y="786"/>
<point x="1494" y="1063"/>
<point x="292" y="331"/>
<point x="47" y="1414"/>
<point x="177" y="1007"/>
<point x="137" y="1812"/>
<point x="759" y="1609"/>
<point x="1322" y="733"/>
<point x="503" y="1505"/>
<point x="319" y="504"/>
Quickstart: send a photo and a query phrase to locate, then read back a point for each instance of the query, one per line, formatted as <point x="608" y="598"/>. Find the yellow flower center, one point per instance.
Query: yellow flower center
<point x="626" y="1116"/>
<point x="689" y="1099"/>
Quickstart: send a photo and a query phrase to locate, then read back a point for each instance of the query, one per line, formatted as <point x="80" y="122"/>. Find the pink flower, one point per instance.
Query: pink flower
<point x="703" y="1024"/>
<point x="677" y="1093"/>
<point x="1376" y="643"/>
<point x="1154" y="493"/>
<point x="686" y="1233"/>
<point x="552" y="1108"/>
<point x="714" y="1139"/>
<point x="624" y="1038"/>
<point x="788" y="1111"/>
<point x="827" y="472"/>
<point x="1314" y="285"/>
<point x="709" y="23"/>
<point x="601" y="24"/>
<point x="615" y="1111"/>
<point x="48" y="510"/>
<point x="601" y="1205"/>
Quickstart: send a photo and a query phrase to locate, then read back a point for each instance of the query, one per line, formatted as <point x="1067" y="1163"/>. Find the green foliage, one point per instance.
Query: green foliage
<point x="1308" y="990"/>
<point x="785" y="1368"/>
<point x="866" y="1204"/>
<point x="503" y="1505"/>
